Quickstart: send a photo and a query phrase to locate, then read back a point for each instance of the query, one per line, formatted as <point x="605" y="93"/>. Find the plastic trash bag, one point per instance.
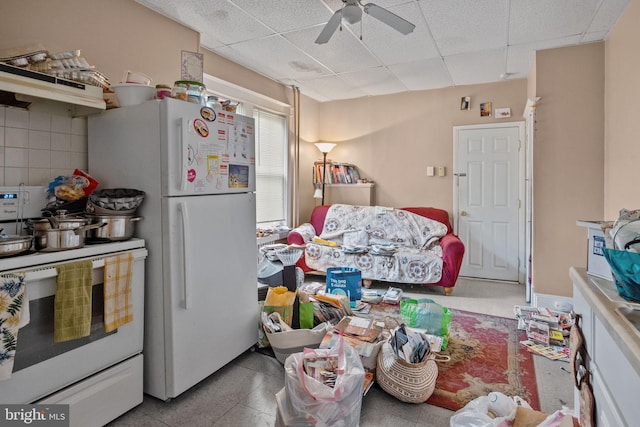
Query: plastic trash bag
<point x="321" y="404"/>
<point x="494" y="410"/>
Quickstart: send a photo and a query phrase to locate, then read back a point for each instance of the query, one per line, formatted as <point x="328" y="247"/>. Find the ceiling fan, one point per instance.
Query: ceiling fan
<point x="351" y="12"/>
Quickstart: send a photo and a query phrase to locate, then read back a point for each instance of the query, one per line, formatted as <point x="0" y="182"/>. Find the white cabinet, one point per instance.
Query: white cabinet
<point x="613" y="351"/>
<point x="350" y="194"/>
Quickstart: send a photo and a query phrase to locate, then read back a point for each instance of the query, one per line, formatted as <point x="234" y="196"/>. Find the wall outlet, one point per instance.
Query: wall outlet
<point x="430" y="171"/>
<point x="441" y="170"/>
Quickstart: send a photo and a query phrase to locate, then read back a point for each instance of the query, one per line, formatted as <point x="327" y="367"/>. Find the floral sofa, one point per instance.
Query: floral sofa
<point x="402" y="245"/>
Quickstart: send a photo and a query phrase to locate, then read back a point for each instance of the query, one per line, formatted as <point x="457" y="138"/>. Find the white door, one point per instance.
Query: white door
<point x="211" y="311"/>
<point x="488" y="199"/>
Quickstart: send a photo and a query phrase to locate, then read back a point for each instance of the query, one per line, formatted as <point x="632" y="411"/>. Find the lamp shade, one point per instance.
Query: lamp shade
<point x="325" y="147"/>
<point x="318" y="193"/>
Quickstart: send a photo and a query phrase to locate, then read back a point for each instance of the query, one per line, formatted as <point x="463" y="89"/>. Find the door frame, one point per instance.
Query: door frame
<point x="522" y="159"/>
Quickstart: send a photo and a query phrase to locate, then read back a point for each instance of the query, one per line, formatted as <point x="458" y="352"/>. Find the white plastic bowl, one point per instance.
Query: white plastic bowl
<point x="132" y="94"/>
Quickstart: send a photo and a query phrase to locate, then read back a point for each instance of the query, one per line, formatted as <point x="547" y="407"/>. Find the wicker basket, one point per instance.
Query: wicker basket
<point x="408" y="382"/>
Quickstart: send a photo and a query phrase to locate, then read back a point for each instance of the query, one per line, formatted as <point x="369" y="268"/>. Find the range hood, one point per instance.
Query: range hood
<point x="39" y="85"/>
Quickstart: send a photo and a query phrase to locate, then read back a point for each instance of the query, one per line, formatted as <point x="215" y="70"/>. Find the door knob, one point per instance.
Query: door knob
<point x="463" y="213"/>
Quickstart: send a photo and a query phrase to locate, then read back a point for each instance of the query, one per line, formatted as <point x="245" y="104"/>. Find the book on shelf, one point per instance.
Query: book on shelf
<point x="337" y="173"/>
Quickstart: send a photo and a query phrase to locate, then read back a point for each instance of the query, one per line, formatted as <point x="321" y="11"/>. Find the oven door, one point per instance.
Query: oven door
<point x="41" y="366"/>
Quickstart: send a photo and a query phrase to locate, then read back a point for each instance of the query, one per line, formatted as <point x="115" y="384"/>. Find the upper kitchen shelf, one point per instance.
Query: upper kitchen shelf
<point x="40" y="85"/>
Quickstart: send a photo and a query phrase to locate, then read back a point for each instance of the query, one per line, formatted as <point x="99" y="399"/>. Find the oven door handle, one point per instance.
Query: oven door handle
<point x="185" y="254"/>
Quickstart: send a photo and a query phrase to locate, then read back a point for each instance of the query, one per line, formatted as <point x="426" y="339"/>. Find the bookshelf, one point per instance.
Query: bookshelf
<point x="337" y="173"/>
<point x="342" y="184"/>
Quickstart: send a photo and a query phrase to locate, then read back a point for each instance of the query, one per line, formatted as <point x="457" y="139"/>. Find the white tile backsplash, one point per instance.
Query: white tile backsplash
<point x="60" y="141"/>
<point x="16" y="118"/>
<point x="15" y="137"/>
<point x="39" y="176"/>
<point x="79" y="143"/>
<point x="40" y="121"/>
<point x="37" y="146"/>
<point x="61" y="124"/>
<point x="39" y="140"/>
<point x="16" y="157"/>
<point x="79" y="126"/>
<point x="40" y="159"/>
<point x="16" y="176"/>
<point x="60" y="160"/>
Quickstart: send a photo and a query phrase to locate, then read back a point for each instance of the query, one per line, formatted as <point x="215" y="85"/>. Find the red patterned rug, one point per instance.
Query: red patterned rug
<point x="486" y="356"/>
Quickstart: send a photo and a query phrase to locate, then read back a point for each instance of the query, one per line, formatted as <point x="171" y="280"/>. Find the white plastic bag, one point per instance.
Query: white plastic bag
<point x="494" y="410"/>
<point x="321" y="404"/>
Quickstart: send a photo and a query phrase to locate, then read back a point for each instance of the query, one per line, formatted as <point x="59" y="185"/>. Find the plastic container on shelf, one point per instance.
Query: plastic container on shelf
<point x="190" y="91"/>
<point x="163" y="91"/>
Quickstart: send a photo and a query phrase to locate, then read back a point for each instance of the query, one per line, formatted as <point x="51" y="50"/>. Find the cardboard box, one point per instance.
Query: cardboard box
<point x="597" y="265"/>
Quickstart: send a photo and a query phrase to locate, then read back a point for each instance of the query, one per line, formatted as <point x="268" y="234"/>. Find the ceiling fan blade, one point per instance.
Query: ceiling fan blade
<point x="330" y="28"/>
<point x="389" y="18"/>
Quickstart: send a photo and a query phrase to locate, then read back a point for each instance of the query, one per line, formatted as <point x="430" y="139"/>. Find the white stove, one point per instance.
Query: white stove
<point x="99" y="376"/>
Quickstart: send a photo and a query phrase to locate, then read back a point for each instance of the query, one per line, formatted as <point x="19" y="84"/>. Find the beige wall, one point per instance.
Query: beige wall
<point x="622" y="112"/>
<point x="393" y="138"/>
<point x="568" y="162"/>
<point x="113" y="36"/>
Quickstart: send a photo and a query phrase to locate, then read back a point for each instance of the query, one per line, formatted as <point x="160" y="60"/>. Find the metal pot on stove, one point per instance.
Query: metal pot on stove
<point x="59" y="232"/>
<point x="13" y="245"/>
<point x="113" y="227"/>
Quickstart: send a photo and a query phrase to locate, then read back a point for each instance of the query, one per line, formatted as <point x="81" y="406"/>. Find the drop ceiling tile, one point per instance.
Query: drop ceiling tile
<point x="607" y="15"/>
<point x="392" y="47"/>
<point x="286" y="15"/>
<point x="332" y="87"/>
<point x="220" y="18"/>
<point x="343" y="53"/>
<point x="460" y="26"/>
<point x="375" y="81"/>
<point x="532" y="21"/>
<point x="476" y="67"/>
<point x="422" y="75"/>
<point x="275" y="57"/>
<point x="520" y="57"/>
<point x="595" y="36"/>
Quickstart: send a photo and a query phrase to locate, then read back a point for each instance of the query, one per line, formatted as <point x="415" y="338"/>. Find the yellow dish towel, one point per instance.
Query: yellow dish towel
<point x="72" y="308"/>
<point x="118" y="306"/>
<point x="14" y="314"/>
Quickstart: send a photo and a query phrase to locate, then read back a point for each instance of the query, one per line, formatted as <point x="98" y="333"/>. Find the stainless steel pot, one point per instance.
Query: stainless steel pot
<point x="114" y="227"/>
<point x="60" y="239"/>
<point x="14" y="245"/>
<point x="40" y="227"/>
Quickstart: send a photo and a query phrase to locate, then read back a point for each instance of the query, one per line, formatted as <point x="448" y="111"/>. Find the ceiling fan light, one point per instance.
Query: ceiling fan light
<point x="351" y="13"/>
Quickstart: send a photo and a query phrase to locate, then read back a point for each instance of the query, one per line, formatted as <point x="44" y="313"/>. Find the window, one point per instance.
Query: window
<point x="271" y="167"/>
<point x="272" y="148"/>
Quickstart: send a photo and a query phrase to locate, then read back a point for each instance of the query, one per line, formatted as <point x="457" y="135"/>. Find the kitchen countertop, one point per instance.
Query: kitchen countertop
<point x="602" y="296"/>
<point x="38" y="258"/>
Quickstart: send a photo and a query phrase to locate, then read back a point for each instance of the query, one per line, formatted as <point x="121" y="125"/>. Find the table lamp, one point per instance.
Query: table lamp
<point x="324" y="148"/>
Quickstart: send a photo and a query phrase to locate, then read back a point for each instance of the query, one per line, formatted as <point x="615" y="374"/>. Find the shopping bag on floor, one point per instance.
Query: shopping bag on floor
<point x="428" y="315"/>
<point x="326" y="385"/>
<point x="280" y="299"/>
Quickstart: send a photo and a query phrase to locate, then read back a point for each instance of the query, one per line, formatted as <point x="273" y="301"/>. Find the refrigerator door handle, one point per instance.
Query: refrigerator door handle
<point x="184" y="150"/>
<point x="185" y="254"/>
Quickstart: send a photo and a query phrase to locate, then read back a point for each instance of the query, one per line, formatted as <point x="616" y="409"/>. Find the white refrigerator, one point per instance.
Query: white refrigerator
<point x="197" y="169"/>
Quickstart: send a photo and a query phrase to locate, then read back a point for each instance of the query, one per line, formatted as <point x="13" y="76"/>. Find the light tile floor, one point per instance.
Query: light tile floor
<point x="242" y="393"/>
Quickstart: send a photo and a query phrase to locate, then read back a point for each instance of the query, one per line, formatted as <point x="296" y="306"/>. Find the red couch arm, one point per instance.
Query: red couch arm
<point x="452" y="254"/>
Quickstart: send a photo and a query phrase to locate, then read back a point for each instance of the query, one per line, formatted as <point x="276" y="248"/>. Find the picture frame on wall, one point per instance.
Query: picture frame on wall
<point x="465" y="103"/>
<point x="485" y="109"/>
